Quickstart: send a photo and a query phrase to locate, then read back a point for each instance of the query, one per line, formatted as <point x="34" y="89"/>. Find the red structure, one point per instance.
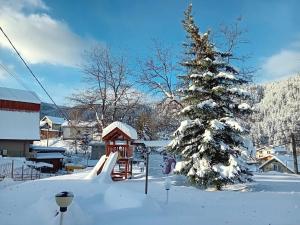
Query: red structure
<point x="19" y="106"/>
<point x="118" y="137"/>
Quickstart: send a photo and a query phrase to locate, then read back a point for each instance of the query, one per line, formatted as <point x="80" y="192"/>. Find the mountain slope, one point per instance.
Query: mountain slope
<point x="277" y="113"/>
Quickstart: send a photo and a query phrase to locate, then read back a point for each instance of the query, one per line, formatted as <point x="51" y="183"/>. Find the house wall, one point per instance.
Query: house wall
<point x="271" y="166"/>
<point x="19" y="106"/>
<point x="66" y="133"/>
<point x="263" y="153"/>
<point x="16" y="125"/>
<point x="56" y="126"/>
<point x="53" y="126"/>
<point x="72" y="133"/>
<point x="15" y="148"/>
<point x="50" y="134"/>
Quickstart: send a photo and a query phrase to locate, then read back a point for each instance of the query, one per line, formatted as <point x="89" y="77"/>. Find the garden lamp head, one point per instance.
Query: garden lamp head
<point x="64" y="199"/>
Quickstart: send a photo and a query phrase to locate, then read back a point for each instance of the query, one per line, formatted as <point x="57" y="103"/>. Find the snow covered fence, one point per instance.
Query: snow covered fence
<point x="21" y="170"/>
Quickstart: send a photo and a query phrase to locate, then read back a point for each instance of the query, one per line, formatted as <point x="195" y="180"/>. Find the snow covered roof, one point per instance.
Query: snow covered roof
<point x="96" y="143"/>
<point x="156" y="143"/>
<point x="43" y="164"/>
<point x="279" y="149"/>
<point x="56" y="120"/>
<point x="18" y="95"/>
<point x="79" y="124"/>
<point x="42" y="123"/>
<point x="286" y="160"/>
<point x="38" y="148"/>
<point x="274" y="150"/>
<point x="128" y="130"/>
<point x="55" y="155"/>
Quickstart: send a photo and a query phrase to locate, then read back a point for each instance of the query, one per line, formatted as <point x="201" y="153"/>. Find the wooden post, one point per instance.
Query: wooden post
<point x="31" y="173"/>
<point x="12" y="169"/>
<point x="22" y="176"/>
<point x="294" y="153"/>
<point x="48" y="136"/>
<point x="147" y="168"/>
<point x="131" y="164"/>
<point x="76" y="145"/>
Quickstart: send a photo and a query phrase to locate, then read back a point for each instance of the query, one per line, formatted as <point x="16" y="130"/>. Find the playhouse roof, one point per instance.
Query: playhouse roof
<point x="125" y="128"/>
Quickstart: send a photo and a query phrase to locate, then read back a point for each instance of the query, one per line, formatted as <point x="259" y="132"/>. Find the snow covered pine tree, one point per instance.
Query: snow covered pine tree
<point x="210" y="140"/>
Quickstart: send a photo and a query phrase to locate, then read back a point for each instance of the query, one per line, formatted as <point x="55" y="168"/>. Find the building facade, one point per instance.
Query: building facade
<point x="77" y="129"/>
<point x="19" y="121"/>
<point x="51" y="127"/>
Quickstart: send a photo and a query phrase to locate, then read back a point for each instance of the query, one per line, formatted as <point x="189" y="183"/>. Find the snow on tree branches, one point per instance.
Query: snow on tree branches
<point x="210" y="139"/>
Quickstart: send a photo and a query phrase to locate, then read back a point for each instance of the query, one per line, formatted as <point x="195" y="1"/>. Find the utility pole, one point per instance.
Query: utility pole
<point x="147" y="169"/>
<point x="294" y="153"/>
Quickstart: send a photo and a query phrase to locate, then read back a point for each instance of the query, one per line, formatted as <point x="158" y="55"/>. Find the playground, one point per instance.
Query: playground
<point x="112" y="192"/>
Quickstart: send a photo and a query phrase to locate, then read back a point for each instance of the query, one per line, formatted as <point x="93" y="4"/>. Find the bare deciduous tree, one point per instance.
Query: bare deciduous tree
<point x="231" y="37"/>
<point x="158" y="73"/>
<point x="109" y="94"/>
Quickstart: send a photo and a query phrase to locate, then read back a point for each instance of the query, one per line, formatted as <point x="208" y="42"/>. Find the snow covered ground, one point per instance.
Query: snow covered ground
<point x="272" y="199"/>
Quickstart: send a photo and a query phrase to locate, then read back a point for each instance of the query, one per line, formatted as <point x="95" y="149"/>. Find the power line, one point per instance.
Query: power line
<point x="16" y="77"/>
<point x="35" y="77"/>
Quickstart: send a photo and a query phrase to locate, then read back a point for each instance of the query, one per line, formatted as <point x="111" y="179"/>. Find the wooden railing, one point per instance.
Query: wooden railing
<point x="125" y="151"/>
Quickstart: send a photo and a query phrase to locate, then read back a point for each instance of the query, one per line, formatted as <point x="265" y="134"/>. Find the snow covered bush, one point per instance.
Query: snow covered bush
<point x="210" y="139"/>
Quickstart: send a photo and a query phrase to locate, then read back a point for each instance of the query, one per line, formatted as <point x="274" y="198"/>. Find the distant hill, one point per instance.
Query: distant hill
<point x="277" y="112"/>
<point x="48" y="109"/>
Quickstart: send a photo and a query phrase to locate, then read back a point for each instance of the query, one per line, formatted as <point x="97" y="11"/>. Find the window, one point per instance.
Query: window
<point x="275" y="167"/>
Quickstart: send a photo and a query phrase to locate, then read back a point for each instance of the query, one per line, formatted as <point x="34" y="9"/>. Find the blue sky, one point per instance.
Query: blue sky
<point x="52" y="34"/>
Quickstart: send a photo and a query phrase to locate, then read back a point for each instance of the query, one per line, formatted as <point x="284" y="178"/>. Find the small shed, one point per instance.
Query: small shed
<point x="51" y="155"/>
<point x="119" y="137"/>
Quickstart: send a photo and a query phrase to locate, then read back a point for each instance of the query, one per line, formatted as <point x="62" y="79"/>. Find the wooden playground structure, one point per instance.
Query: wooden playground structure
<point x="118" y="137"/>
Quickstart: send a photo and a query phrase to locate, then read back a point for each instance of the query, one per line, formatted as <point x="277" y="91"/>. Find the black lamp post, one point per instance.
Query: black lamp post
<point x="63" y="200"/>
<point x="167" y="187"/>
<point x="147" y="169"/>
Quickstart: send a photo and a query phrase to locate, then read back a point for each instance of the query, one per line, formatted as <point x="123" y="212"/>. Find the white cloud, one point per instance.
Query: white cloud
<point x="283" y="64"/>
<point x="23" y="4"/>
<point x="39" y="37"/>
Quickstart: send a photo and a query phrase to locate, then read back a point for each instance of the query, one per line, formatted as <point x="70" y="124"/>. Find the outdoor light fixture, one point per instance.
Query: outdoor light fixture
<point x="63" y="200"/>
<point x="167" y="187"/>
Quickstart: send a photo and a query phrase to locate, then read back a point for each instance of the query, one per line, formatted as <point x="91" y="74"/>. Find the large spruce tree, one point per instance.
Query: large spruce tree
<point x="210" y="138"/>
